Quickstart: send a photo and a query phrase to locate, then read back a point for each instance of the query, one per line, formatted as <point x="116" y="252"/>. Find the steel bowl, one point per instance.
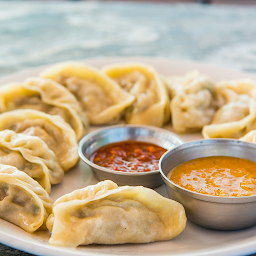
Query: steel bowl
<point x="101" y="137"/>
<point x="222" y="213"/>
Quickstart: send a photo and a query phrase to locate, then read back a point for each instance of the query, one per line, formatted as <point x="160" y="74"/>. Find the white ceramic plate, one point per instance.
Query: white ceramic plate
<point x="193" y="241"/>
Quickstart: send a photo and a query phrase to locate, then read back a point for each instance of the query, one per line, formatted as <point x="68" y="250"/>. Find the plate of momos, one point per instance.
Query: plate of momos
<point x="50" y="201"/>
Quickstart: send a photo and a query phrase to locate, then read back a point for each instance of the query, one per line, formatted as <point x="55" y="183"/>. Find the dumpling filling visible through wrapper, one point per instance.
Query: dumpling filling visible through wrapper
<point x="234" y="99"/>
<point x="151" y="106"/>
<point x="107" y="214"/>
<point x="23" y="201"/>
<point x="193" y="101"/>
<point x="31" y="155"/>
<point x="53" y="130"/>
<point x="100" y="97"/>
<point x="47" y="96"/>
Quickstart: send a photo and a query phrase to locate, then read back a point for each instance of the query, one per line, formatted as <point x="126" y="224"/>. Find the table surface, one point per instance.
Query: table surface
<point x="39" y="33"/>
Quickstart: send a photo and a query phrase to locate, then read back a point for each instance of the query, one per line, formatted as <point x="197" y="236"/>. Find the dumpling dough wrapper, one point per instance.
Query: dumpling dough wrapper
<point x="101" y="98"/>
<point x="193" y="101"/>
<point x="235" y="129"/>
<point x="23" y="201"/>
<point x="53" y="130"/>
<point x="31" y="155"/>
<point x="107" y="214"/>
<point x="44" y="95"/>
<point x="151" y="106"/>
<point x="234" y="99"/>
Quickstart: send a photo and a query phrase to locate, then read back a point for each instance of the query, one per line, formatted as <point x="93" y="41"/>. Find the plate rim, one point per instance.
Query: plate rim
<point x="130" y="59"/>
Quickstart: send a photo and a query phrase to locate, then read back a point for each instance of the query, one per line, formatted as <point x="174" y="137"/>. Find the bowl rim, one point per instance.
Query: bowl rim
<point x="103" y="169"/>
<point x="200" y="196"/>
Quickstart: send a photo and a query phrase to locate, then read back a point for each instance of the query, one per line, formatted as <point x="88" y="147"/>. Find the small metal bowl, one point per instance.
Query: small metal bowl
<point x="222" y="213"/>
<point x="101" y="137"/>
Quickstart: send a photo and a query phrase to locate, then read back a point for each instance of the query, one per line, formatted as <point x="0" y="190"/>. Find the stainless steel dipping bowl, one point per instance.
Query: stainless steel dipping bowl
<point x="101" y="137"/>
<point x="222" y="213"/>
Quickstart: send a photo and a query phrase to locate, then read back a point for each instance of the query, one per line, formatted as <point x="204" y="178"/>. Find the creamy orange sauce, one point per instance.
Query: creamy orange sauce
<point x="217" y="176"/>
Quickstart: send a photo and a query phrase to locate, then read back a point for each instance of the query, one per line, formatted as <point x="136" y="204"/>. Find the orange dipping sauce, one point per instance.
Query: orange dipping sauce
<point x="217" y="176"/>
<point x="129" y="156"/>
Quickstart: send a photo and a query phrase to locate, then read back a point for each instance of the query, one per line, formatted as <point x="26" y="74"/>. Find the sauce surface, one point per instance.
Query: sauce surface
<point x="129" y="156"/>
<point x="217" y="176"/>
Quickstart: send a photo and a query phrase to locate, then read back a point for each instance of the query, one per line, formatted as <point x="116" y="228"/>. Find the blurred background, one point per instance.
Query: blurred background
<point x="221" y="32"/>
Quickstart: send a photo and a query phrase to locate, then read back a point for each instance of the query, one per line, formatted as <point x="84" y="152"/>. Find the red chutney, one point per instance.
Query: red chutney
<point x="129" y="156"/>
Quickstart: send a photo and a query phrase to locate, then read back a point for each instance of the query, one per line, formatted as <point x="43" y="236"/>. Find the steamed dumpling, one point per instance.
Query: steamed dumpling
<point x="53" y="130"/>
<point x="249" y="137"/>
<point x="191" y="82"/>
<point x="234" y="90"/>
<point x="231" y="129"/>
<point x="190" y="112"/>
<point x="233" y="98"/>
<point x="151" y="106"/>
<point x="23" y="201"/>
<point x="107" y="214"/>
<point x="192" y="101"/>
<point x="234" y="129"/>
<point x="231" y="112"/>
<point x="100" y="97"/>
<point x="31" y="155"/>
<point x="47" y="96"/>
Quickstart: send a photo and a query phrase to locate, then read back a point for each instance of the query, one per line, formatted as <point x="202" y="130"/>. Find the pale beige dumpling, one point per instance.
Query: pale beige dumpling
<point x="44" y="95"/>
<point x="193" y="101"/>
<point x="52" y="129"/>
<point x="31" y="155"/>
<point x="234" y="90"/>
<point x="151" y="106"/>
<point x="249" y="137"/>
<point x="23" y="201"/>
<point x="233" y="98"/>
<point x="107" y="214"/>
<point x="231" y="112"/>
<point x="234" y="129"/>
<point x="190" y="112"/>
<point x="100" y="97"/>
